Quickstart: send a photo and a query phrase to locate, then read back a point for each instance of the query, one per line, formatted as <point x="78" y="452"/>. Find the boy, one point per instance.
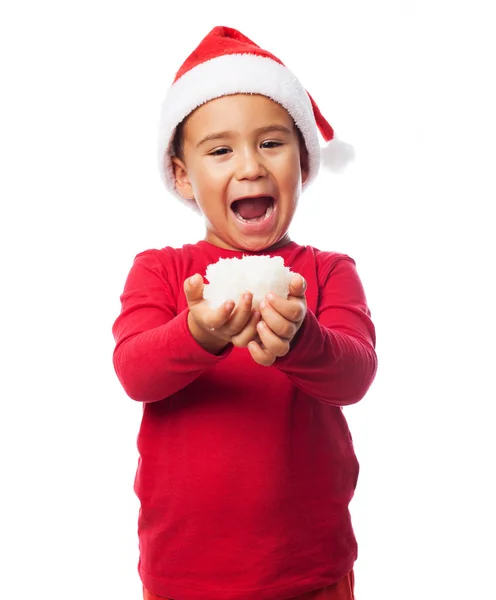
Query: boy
<point x="246" y="465"/>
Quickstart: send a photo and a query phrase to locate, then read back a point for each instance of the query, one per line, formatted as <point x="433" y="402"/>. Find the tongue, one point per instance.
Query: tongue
<point x="251" y="208"/>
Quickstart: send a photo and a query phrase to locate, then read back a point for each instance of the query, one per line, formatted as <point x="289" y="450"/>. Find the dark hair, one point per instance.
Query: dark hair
<point x="178" y="141"/>
<point x="303" y="149"/>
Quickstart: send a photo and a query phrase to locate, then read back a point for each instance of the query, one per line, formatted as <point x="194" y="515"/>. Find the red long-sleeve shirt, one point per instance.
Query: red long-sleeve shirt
<point x="245" y="472"/>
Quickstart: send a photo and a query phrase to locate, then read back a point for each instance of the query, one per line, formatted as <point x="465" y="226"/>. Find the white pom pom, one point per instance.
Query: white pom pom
<point x="336" y="155"/>
<point x="229" y="278"/>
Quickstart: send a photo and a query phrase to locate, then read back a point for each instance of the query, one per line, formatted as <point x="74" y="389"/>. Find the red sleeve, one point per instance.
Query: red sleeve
<point x="333" y="355"/>
<point x="155" y="354"/>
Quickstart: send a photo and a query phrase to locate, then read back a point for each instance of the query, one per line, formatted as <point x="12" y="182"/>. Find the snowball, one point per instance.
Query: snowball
<point x="229" y="278"/>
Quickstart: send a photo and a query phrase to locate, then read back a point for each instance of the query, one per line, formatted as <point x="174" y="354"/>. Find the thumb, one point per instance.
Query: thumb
<point x="193" y="289"/>
<point x="298" y="286"/>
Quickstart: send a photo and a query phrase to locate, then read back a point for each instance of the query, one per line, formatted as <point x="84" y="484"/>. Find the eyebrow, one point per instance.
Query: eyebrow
<point x="226" y="134"/>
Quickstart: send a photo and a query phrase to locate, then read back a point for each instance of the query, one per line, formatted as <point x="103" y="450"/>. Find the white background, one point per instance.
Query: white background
<point x="410" y="85"/>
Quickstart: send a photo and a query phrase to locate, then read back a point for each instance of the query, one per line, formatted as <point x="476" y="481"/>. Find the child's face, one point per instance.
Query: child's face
<point x="242" y="146"/>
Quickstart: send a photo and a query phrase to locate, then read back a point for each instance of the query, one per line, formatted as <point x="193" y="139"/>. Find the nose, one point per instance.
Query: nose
<point x="250" y="165"/>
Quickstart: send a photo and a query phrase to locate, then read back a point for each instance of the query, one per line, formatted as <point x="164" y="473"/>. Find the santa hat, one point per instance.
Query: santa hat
<point x="227" y="62"/>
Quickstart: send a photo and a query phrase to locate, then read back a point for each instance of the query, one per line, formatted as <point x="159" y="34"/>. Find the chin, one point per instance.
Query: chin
<point x="254" y="245"/>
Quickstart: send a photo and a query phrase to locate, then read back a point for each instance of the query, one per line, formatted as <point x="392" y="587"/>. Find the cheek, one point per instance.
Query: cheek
<point x="208" y="178"/>
<point x="209" y="187"/>
<point x="290" y="175"/>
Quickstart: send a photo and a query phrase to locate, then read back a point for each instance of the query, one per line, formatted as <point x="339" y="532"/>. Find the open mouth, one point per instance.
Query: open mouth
<point x="253" y="210"/>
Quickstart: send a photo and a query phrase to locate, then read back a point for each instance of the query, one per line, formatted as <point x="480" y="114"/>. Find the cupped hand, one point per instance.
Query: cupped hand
<point x="281" y="320"/>
<point x="214" y="328"/>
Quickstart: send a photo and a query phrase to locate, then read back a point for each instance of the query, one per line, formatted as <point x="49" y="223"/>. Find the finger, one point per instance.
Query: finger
<point x="260" y="355"/>
<point x="193" y="289"/>
<point x="293" y="309"/>
<point x="281" y="326"/>
<point x="248" y="333"/>
<point x="297" y="286"/>
<point x="242" y="314"/>
<point x="209" y="318"/>
<point x="217" y="318"/>
<point x="272" y="342"/>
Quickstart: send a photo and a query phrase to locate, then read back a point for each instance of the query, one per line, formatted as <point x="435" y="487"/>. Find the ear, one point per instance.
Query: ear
<point x="183" y="184"/>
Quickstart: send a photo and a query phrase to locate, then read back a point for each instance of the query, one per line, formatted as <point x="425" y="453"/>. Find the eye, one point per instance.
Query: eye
<point x="271" y="144"/>
<point x="219" y="152"/>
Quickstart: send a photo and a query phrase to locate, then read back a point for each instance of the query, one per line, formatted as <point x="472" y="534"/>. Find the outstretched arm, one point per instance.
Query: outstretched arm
<point x="330" y="356"/>
<point x="156" y="354"/>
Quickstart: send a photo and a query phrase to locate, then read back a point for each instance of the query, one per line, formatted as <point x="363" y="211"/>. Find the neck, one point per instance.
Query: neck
<point x="282" y="242"/>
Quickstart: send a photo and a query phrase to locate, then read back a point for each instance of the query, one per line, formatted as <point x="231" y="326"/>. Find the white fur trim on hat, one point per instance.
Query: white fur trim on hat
<point x="231" y="74"/>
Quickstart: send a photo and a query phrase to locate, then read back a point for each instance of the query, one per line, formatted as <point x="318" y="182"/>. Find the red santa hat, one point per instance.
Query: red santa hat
<point x="227" y="62"/>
